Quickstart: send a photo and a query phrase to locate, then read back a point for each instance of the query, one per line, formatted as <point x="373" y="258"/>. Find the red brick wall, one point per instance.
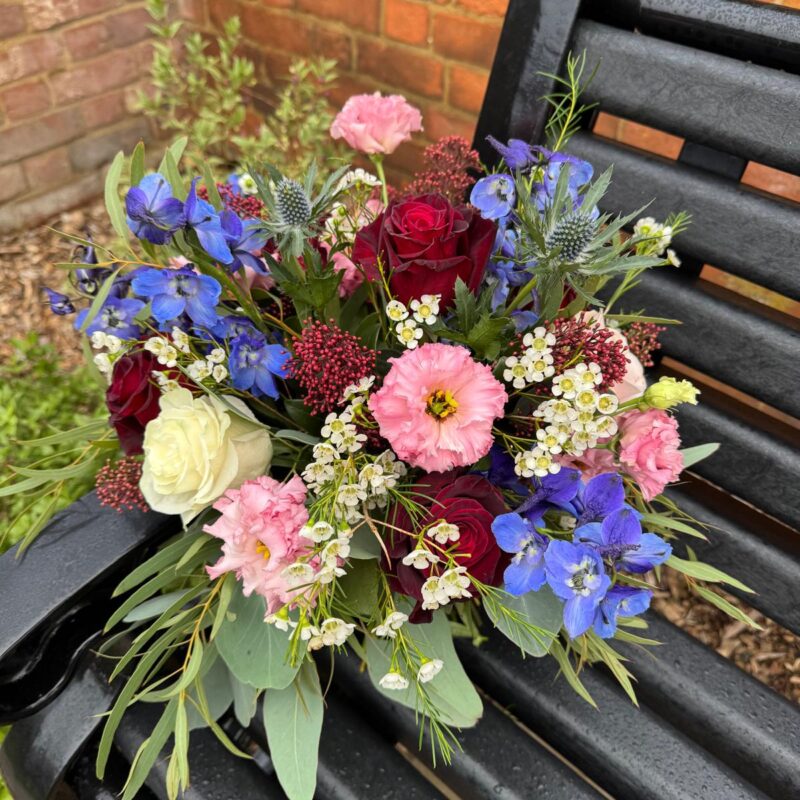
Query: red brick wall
<point x="69" y="71"/>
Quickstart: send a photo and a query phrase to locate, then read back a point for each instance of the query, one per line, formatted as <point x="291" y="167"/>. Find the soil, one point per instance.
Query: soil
<point x="771" y="655"/>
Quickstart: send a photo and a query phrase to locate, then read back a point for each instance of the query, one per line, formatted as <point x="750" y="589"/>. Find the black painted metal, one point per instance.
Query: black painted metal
<point x="734" y="228"/>
<point x="764" y="34"/>
<point x="722" y="102"/>
<point x="741" y="721"/>
<point x="632" y="753"/>
<point x="535" y="39"/>
<point x="763" y="470"/>
<point x="768" y="567"/>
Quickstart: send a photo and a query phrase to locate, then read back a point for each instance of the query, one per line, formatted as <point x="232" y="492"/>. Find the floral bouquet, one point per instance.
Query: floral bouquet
<point x="385" y="418"/>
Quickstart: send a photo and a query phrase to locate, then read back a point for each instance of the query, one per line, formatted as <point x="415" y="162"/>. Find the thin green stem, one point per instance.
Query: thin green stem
<point x="377" y="160"/>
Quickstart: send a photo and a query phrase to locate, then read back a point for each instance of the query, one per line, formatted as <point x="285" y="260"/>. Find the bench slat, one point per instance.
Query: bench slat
<point x="630" y="752"/>
<point x="763" y="470"/>
<point x="733" y="227"/>
<point x="741" y="721"/>
<point x="725" y="103"/>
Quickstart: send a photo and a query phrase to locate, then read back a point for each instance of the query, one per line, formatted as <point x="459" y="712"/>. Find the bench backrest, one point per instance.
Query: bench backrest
<point x="721" y="78"/>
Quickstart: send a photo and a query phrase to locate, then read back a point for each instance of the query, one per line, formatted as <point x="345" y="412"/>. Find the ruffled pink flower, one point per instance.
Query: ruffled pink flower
<point x="436" y="407"/>
<point x="353" y="277"/>
<point x="252" y="279"/>
<point x="649" y="449"/>
<point x="260" y="529"/>
<point x="591" y="463"/>
<point x="373" y="124"/>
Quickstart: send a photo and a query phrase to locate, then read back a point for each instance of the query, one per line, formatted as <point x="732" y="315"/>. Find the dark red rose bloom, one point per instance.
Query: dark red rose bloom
<point x="427" y="244"/>
<point x="132" y="398"/>
<point x="468" y="501"/>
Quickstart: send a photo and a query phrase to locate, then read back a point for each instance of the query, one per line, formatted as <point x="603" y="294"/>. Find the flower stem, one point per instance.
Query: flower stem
<point x="377" y="160"/>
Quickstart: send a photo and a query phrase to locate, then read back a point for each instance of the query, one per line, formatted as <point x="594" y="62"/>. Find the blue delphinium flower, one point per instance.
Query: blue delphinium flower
<point x="254" y="364"/>
<point x="501" y="471"/>
<point x="505" y="274"/>
<point x="522" y="319"/>
<point x="153" y="213"/>
<point x="494" y="196"/>
<point x="598" y="498"/>
<point x="59" y="303"/>
<point x="175" y="291"/>
<point x="115" y="317"/>
<point x="205" y="222"/>
<point x="580" y="173"/>
<point x="552" y="491"/>
<point x="576" y="574"/>
<point x="619" y="538"/>
<point x="244" y="238"/>
<point x="514" y="534"/>
<point x="620" y="601"/>
<point x="517" y="154"/>
<point x="230" y="326"/>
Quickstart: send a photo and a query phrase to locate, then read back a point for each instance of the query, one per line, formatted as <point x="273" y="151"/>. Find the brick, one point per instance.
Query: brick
<point x="48" y="132"/>
<point x="38" y="209"/>
<point x="192" y="11"/>
<point x="361" y="14"/>
<point x="348" y="85"/>
<point x="40" y="54"/>
<point x="221" y="10"/>
<point x="44" y="14"/>
<point x="12" y="182"/>
<point x="88" y="40"/>
<point x="91" y="78"/>
<point x="440" y="123"/>
<point x="128" y="27"/>
<point x="467" y="88"/>
<point x="465" y="39"/>
<point x="12" y="21"/>
<point x="401" y="68"/>
<point x="26" y="99"/>
<point x="408" y="157"/>
<point x="406" y="22"/>
<point x="99" y="112"/>
<point x="48" y="169"/>
<point x="490" y="8"/>
<point x="95" y="151"/>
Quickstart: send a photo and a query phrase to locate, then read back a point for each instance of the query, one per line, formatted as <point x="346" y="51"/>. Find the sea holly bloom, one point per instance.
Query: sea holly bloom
<point x="620" y="601"/>
<point x="244" y="239"/>
<point x="60" y="304"/>
<point x="153" y="213"/>
<point x="576" y="574"/>
<point x="494" y="196"/>
<point x="203" y="219"/>
<point x="598" y="498"/>
<point x="254" y="364"/>
<point x="518" y="536"/>
<point x="619" y="539"/>
<point x="116" y="316"/>
<point x="177" y="291"/>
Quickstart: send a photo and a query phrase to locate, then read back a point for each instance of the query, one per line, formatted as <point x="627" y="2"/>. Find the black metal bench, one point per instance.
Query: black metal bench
<point x="723" y="75"/>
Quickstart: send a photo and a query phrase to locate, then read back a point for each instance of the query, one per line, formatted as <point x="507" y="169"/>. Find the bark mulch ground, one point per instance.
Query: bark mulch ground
<point x="772" y="655"/>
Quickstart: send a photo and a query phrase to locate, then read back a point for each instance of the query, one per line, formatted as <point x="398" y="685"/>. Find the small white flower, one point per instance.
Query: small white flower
<point x="394" y="681"/>
<point x="308" y="632"/>
<point x="325" y="453"/>
<point x="351" y="494"/>
<point x="328" y="573"/>
<point x="180" y="339"/>
<point x="334" y="631"/>
<point x="540" y="340"/>
<point x="247" y="184"/>
<point x="583" y="440"/>
<point x="113" y="343"/>
<point x="552" y="438"/>
<point x="98" y="340"/>
<point x="408" y="333"/>
<point x="517" y="372"/>
<point x="426" y="309"/>
<point x="605" y="426"/>
<point x="355" y="176"/>
<point x="351" y="441"/>
<point x="396" y="311"/>
<point x="607" y="403"/>
<point x="298" y="574"/>
<point x="429" y="669"/>
<point x="456" y="583"/>
<point x="540" y="367"/>
<point x="420" y="559"/>
<point x="434" y="594"/>
<point x="588" y="375"/>
<point x="217" y="356"/>
<point x="103" y="363"/>
<point x="355" y="390"/>
<point x="336" y="425"/>
<point x="372" y="478"/>
<point x="443" y="532"/>
<point x="319" y="531"/>
<point x="317" y="474"/>
<point x="586" y="400"/>
<point x="672" y="258"/>
<point x="199" y="370"/>
<point x="537" y="461"/>
<point x="566" y="385"/>
<point x="389" y="627"/>
<point x="219" y="373"/>
<point x="334" y="551"/>
<point x="585" y="421"/>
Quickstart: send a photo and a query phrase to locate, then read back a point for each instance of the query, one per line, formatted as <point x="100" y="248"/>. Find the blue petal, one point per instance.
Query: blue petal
<point x="591" y="533"/>
<point x="601" y="495"/>
<point x="622" y="528"/>
<point x="605" y="618"/>
<point x="651" y="552"/>
<point x="525" y="575"/>
<point x="632" y="602"/>
<point x="201" y="312"/>
<point x="579" y="614"/>
<point x="150" y="282"/>
<point x="167" y="306"/>
<point x="276" y="359"/>
<point x="511" y="531"/>
<point x="266" y="383"/>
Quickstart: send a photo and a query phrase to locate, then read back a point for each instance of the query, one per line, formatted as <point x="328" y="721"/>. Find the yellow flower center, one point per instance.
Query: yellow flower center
<point x="424" y="310"/>
<point x="263" y="550"/>
<point x="441" y="404"/>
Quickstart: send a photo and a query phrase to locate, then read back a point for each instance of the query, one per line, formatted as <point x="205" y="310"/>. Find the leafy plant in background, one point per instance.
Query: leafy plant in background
<point x="201" y="95"/>
<point x="38" y="397"/>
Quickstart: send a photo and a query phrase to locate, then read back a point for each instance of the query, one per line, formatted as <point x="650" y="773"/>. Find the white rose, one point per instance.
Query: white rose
<point x="196" y="448"/>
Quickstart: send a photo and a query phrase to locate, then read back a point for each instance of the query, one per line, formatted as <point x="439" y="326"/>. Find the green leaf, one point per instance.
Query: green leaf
<point x="568" y="671"/>
<point x="730" y="609"/>
<point x="293" y="720"/>
<point x="542" y="609"/>
<point x="100" y="298"/>
<point x="76" y="434"/>
<point x="154" y="607"/>
<point x="245" y="699"/>
<point x="693" y="455"/>
<point x="451" y="691"/>
<point x="254" y="651"/>
<point x="364" y="543"/>
<point x="212" y="692"/>
<point x="705" y="572"/>
<point x="176" y="151"/>
<point x="137" y="164"/>
<point x="663" y="521"/>
<point x="166" y="556"/>
<point x="296" y="436"/>
<point x="113" y="204"/>
<point x="211" y="186"/>
<point x="174" y="176"/>
<point x="359" y="588"/>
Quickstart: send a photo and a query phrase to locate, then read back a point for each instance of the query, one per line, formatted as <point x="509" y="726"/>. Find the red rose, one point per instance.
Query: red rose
<point x="426" y="244"/>
<point x="132" y="398"/>
<point x="468" y="501"/>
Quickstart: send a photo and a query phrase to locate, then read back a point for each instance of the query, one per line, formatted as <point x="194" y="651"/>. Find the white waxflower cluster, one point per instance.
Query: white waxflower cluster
<point x="247" y="183"/>
<point x="211" y="366"/>
<point x="535" y="364"/>
<point x="424" y="311"/>
<point x="657" y="236"/>
<point x="332" y="632"/>
<point x="439" y="590"/>
<point x="357" y="176"/>
<point x="395" y="681"/>
<point x="389" y="627"/>
<point x="574" y="420"/>
<point x="113" y="347"/>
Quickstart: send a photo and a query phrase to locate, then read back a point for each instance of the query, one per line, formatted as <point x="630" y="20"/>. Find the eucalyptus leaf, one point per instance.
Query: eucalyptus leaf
<point x="296" y="436"/>
<point x="359" y="588"/>
<point x="693" y="455"/>
<point x="216" y="690"/>
<point x="116" y="214"/>
<point x="364" y="543"/>
<point x="293" y="721"/>
<point x="245" y="699"/>
<point x="155" y="606"/>
<point x="542" y="609"/>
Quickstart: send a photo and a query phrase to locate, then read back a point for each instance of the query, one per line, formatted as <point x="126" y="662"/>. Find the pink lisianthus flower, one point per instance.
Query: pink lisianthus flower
<point x="252" y="279"/>
<point x="260" y="529"/>
<point x="592" y="462"/>
<point x="352" y="278"/>
<point x="437" y="406"/>
<point x="649" y="449"/>
<point x="375" y="124"/>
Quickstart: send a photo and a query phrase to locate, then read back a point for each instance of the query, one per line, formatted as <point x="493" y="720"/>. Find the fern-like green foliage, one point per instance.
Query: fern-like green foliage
<point x="201" y="95"/>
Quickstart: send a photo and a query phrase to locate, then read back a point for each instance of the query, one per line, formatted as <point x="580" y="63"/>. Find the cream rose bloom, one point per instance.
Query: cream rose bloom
<point x="196" y="448"/>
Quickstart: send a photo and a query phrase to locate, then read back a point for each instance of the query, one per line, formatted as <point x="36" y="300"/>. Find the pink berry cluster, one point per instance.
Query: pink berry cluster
<point x="118" y="484"/>
<point x="244" y="206"/>
<point x="643" y="340"/>
<point x="447" y="165"/>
